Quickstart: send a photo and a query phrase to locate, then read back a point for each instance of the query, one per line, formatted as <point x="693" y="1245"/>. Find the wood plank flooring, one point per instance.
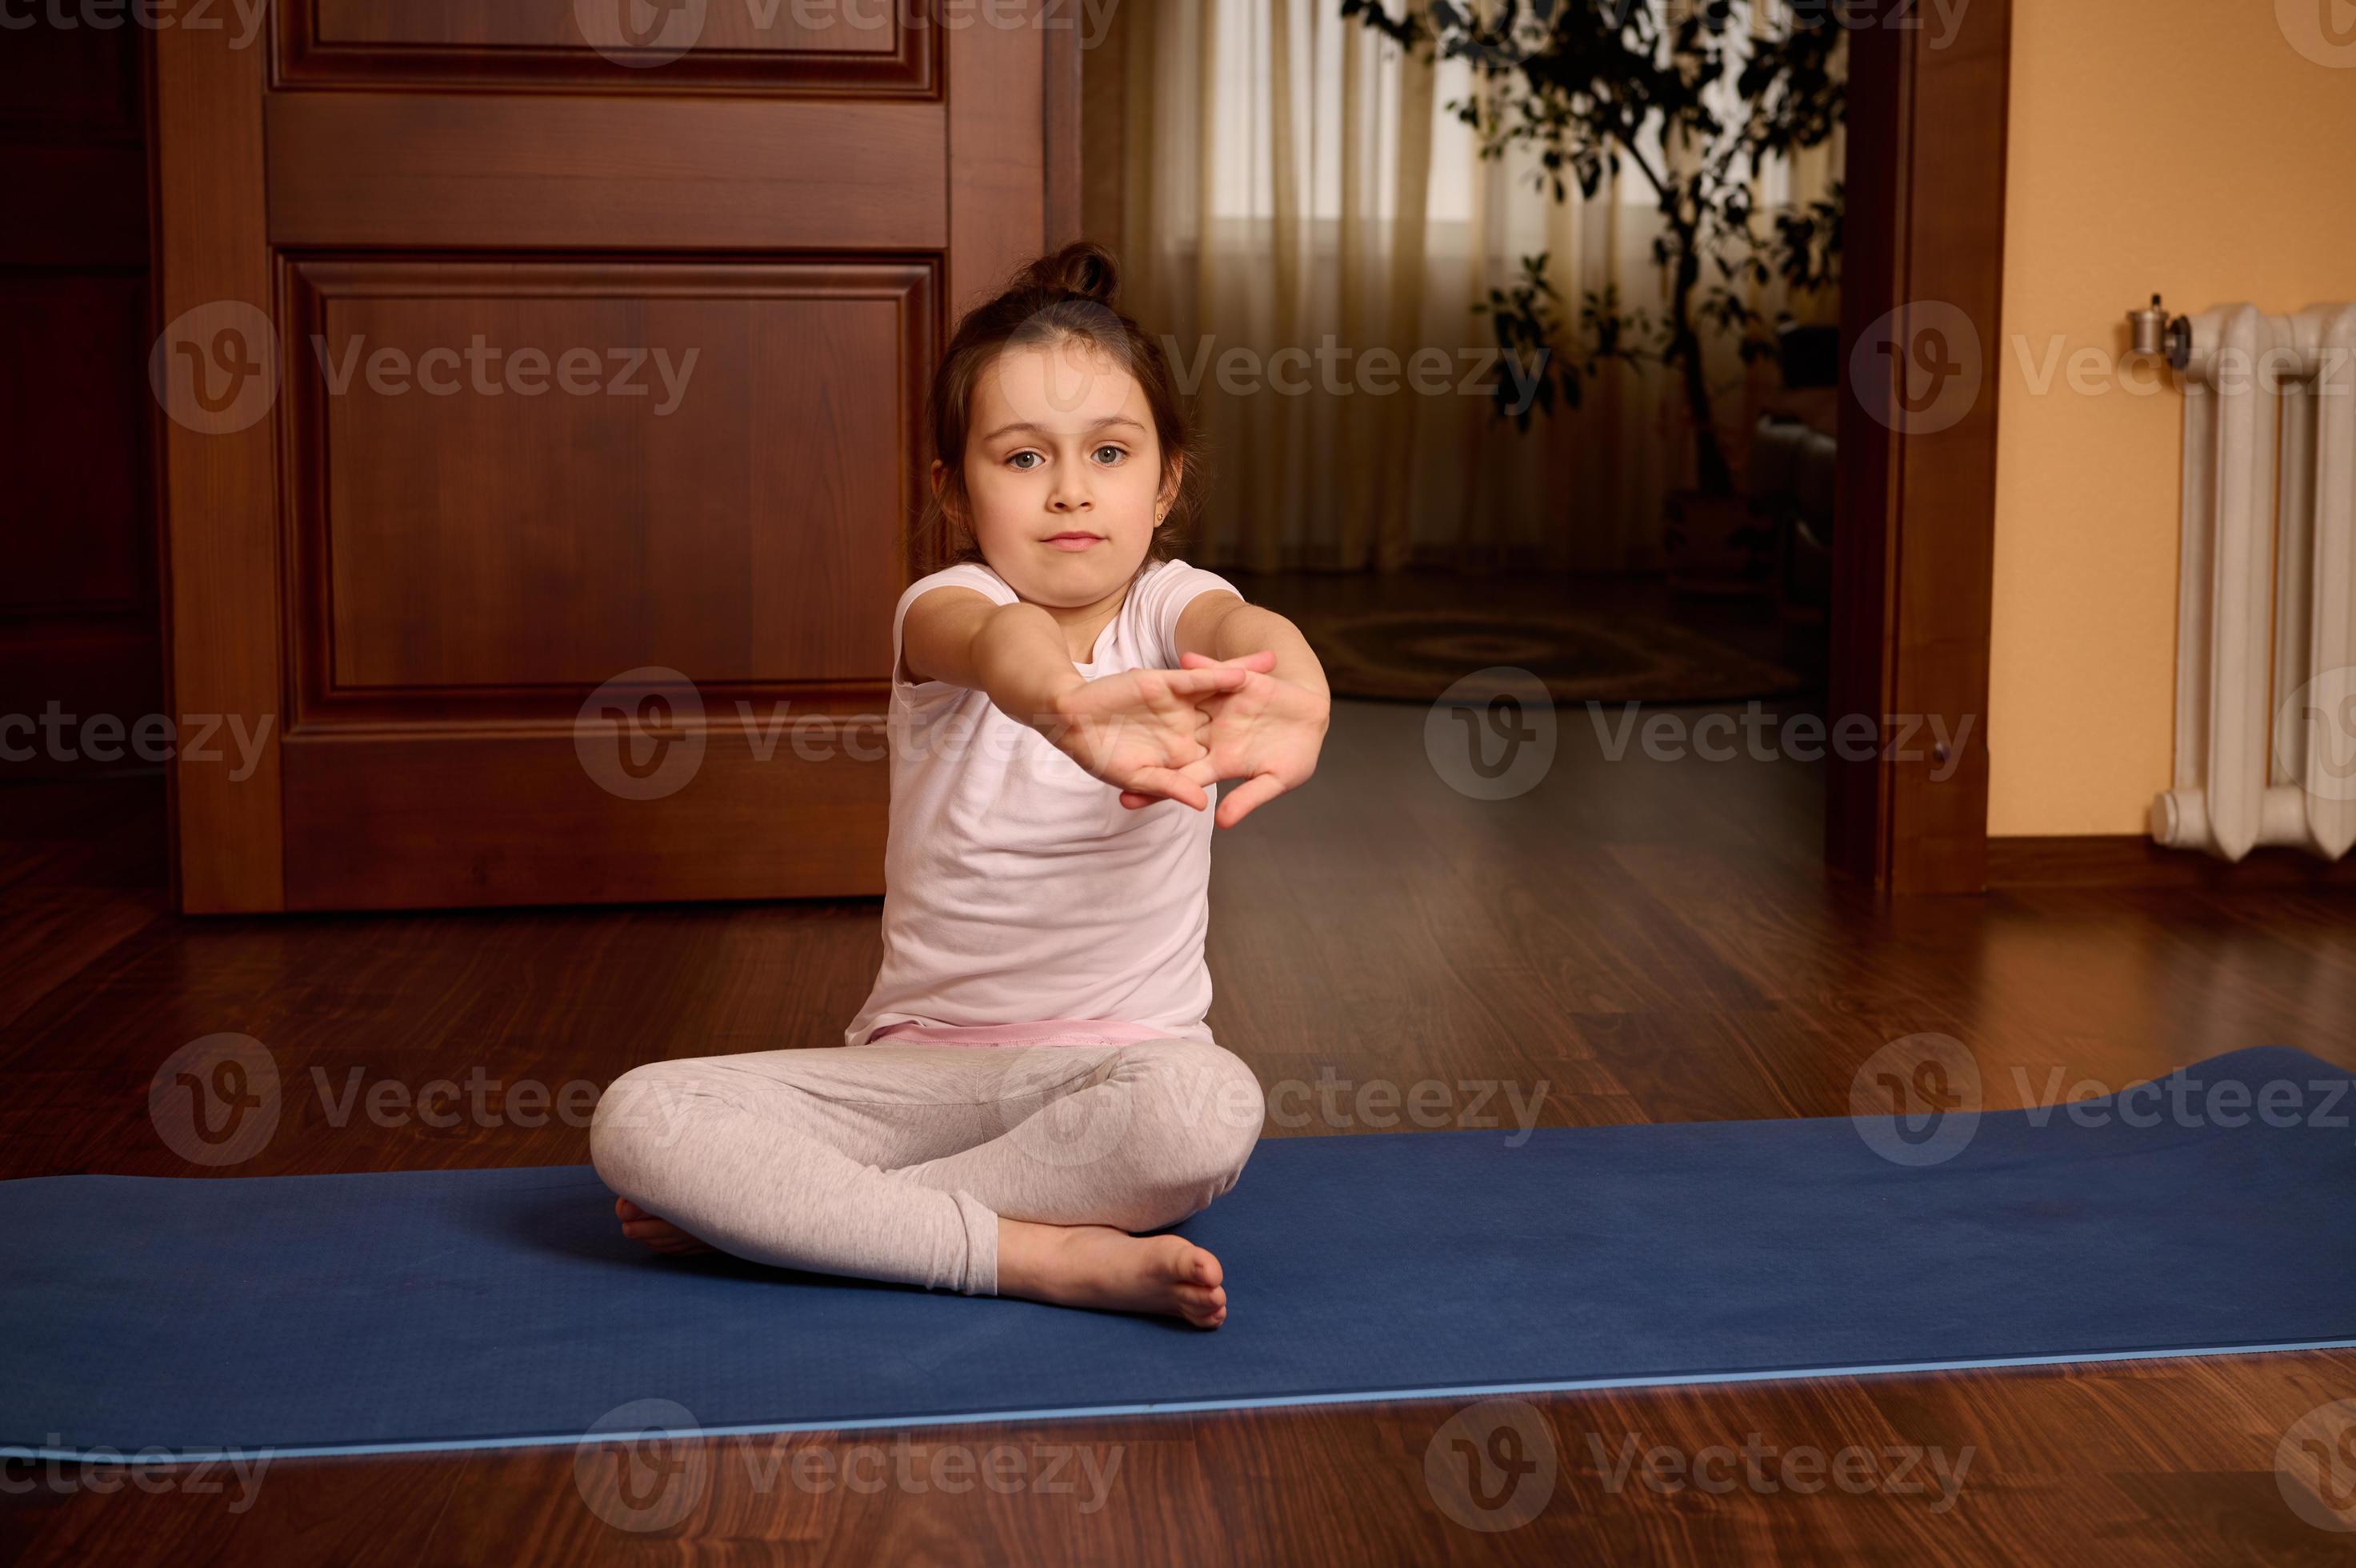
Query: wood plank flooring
<point x="1630" y="941"/>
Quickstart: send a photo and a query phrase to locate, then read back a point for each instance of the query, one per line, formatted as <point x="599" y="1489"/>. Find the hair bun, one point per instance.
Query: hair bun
<point x="1083" y="267"/>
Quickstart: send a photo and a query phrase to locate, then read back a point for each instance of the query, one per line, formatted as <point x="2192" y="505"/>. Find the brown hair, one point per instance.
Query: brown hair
<point x="1068" y="297"/>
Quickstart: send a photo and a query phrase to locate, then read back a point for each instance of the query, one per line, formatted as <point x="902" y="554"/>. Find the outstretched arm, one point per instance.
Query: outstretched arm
<point x="1218" y="625"/>
<point x="1266" y="733"/>
<point x="1013" y="652"/>
<point x="1134" y="730"/>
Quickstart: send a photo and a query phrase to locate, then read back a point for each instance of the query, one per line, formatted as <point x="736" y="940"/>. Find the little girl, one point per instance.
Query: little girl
<point x="1030" y="1079"/>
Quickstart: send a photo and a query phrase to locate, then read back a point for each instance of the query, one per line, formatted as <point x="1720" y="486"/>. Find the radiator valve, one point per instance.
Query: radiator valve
<point x="2154" y="331"/>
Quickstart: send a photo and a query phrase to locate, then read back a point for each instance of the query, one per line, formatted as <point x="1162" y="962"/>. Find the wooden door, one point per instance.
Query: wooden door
<point x="545" y="386"/>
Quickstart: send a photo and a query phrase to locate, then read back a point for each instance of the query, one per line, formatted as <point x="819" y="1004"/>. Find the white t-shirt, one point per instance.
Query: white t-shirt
<point x="1017" y="886"/>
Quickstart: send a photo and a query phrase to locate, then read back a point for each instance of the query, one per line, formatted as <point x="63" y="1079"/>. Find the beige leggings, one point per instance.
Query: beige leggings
<point x="892" y="1161"/>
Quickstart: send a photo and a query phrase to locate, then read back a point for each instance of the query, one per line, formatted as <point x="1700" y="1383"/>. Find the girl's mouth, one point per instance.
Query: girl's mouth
<point x="1074" y="540"/>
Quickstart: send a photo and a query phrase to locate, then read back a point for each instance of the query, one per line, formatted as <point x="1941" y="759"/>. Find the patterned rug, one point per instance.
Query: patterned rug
<point x="1580" y="656"/>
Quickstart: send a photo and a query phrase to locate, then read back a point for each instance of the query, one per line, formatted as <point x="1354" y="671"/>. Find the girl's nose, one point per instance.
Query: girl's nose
<point x="1069" y="497"/>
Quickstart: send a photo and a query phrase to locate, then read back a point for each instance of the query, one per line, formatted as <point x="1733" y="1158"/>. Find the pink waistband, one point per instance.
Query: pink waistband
<point x="1043" y="1032"/>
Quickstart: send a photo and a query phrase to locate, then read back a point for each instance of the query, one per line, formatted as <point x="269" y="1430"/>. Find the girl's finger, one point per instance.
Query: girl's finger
<point x="1167" y="784"/>
<point x="1203" y="771"/>
<point x="1204" y="678"/>
<point x="1239" y="802"/>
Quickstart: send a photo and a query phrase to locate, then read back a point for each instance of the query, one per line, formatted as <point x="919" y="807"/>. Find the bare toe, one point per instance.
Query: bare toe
<point x="655" y="1232"/>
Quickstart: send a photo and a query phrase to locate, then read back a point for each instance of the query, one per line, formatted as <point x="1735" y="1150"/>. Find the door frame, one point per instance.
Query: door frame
<point x="1914" y="539"/>
<point x="222" y="620"/>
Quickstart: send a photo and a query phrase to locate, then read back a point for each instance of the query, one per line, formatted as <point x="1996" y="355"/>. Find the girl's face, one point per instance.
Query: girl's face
<point x="1063" y="473"/>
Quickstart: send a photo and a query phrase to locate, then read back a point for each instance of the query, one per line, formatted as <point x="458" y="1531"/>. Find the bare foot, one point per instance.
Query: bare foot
<point x="1096" y="1265"/>
<point x="660" y="1234"/>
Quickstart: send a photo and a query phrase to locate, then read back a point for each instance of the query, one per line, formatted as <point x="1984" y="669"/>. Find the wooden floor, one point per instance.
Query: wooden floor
<point x="1649" y="941"/>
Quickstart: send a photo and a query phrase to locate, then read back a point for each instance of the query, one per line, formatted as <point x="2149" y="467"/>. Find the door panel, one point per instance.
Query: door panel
<point x="706" y="406"/>
<point x="529" y="639"/>
<point x="468" y="25"/>
<point x="768" y="47"/>
<point x="351" y="169"/>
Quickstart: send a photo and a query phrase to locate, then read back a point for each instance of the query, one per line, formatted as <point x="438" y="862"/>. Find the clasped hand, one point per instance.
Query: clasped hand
<point x="1169" y="733"/>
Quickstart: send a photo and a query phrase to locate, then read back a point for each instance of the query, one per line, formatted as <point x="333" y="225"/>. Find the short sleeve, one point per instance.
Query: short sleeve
<point x="1164" y="596"/>
<point x="963" y="575"/>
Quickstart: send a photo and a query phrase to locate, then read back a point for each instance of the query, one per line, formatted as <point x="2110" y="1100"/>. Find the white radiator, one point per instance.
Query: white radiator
<point x="2259" y="739"/>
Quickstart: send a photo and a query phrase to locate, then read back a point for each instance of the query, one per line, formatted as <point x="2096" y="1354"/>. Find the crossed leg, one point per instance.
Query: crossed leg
<point x="1015" y="1171"/>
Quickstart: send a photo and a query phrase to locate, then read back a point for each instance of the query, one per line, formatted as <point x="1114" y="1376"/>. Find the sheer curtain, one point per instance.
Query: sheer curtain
<point x="1290" y="181"/>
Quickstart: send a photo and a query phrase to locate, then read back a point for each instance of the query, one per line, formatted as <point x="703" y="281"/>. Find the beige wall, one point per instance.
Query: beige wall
<point x="2152" y="147"/>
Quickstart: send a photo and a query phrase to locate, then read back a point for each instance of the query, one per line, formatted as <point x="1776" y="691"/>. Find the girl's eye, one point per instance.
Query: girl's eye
<point x="1117" y="454"/>
<point x="1022" y="467"/>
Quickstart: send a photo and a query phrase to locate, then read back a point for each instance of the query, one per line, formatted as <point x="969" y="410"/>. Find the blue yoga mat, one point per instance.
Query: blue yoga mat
<point x="461" y="1309"/>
